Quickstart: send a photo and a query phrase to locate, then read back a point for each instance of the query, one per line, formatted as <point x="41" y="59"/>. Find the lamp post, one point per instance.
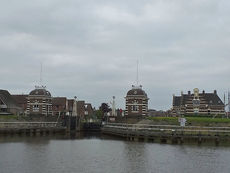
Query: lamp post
<point x="75" y="111"/>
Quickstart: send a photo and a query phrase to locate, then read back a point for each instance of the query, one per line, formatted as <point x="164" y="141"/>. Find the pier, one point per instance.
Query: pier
<point x="168" y="133"/>
<point x="31" y="127"/>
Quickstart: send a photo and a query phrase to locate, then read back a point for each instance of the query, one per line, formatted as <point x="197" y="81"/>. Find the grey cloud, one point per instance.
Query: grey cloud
<point x="90" y="48"/>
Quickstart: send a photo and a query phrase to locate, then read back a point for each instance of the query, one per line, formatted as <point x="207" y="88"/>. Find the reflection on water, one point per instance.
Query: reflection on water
<point x="96" y="153"/>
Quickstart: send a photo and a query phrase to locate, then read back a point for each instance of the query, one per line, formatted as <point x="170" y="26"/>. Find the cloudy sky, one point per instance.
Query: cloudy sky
<point x="89" y="48"/>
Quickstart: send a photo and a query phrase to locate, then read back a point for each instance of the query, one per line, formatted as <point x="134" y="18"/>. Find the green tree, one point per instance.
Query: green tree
<point x="99" y="114"/>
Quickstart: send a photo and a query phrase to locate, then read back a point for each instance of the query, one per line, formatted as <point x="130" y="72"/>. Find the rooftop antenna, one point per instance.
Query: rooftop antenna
<point x="137" y="74"/>
<point x="41" y="86"/>
<point x="41" y="75"/>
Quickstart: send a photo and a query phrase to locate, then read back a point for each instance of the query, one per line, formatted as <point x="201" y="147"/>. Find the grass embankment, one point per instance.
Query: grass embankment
<point x="8" y="117"/>
<point x="191" y="121"/>
<point x="12" y="118"/>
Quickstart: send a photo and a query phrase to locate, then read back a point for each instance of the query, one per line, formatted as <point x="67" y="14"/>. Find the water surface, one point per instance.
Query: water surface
<point x="97" y="154"/>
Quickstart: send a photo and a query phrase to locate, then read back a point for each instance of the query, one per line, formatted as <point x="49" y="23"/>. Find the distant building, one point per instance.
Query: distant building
<point x="198" y="103"/>
<point x="81" y="108"/>
<point x="59" y="105"/>
<point x="8" y="105"/>
<point x="39" y="102"/>
<point x="72" y="107"/>
<point x="21" y="101"/>
<point x="136" y="102"/>
<point x="88" y="109"/>
<point x="155" y="113"/>
<point x="84" y="110"/>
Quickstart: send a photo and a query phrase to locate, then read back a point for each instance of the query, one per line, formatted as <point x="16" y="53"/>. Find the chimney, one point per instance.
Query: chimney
<point x="215" y="92"/>
<point x="182" y="93"/>
<point x="203" y="91"/>
<point x="189" y="92"/>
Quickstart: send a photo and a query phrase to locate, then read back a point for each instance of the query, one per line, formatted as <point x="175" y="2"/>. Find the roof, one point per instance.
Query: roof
<point x="20" y="99"/>
<point x="210" y="98"/>
<point x="213" y="99"/>
<point x="6" y="97"/>
<point x="136" y="91"/>
<point x="40" y="92"/>
<point x="177" y="101"/>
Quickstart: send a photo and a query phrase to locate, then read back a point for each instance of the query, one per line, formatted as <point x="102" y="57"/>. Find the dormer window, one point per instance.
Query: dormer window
<point x="135" y="102"/>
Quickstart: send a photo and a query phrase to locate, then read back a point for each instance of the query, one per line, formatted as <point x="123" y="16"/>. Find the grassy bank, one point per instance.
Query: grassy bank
<point x="8" y="117"/>
<point x="192" y="121"/>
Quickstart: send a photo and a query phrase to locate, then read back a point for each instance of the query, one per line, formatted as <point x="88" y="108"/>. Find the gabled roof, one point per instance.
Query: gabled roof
<point x="8" y="99"/>
<point x="210" y="98"/>
<point x="213" y="99"/>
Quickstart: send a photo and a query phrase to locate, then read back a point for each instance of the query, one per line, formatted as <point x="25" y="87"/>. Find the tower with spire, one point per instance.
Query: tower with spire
<point x="39" y="100"/>
<point x="136" y="100"/>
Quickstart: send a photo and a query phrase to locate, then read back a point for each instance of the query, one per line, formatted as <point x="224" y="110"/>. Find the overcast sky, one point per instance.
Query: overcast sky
<point x="89" y="48"/>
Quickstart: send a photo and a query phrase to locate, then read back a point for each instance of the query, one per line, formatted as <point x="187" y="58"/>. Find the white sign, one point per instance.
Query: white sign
<point x="182" y="122"/>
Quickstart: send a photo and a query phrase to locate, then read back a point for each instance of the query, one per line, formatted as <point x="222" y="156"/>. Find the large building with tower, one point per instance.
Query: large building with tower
<point x="197" y="103"/>
<point x="136" y="102"/>
<point x="39" y="102"/>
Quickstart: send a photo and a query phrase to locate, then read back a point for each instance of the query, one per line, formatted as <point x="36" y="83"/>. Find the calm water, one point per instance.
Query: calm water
<point x="98" y="154"/>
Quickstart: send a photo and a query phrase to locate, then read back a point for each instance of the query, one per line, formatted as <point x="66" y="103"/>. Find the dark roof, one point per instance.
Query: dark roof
<point x="213" y="99"/>
<point x="210" y="98"/>
<point x="40" y="92"/>
<point x="20" y="99"/>
<point x="134" y="92"/>
<point x="177" y="101"/>
<point x="8" y="99"/>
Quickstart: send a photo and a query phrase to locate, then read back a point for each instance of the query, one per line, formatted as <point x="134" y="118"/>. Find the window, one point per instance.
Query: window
<point x="135" y="108"/>
<point x="196" y="110"/>
<point x="35" y="108"/>
<point x="135" y="102"/>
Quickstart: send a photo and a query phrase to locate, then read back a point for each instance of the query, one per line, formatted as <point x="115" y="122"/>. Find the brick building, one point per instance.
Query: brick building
<point x="21" y="100"/>
<point x="88" y="110"/>
<point x="59" y="105"/>
<point x="136" y="102"/>
<point x="39" y="102"/>
<point x="198" y="103"/>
